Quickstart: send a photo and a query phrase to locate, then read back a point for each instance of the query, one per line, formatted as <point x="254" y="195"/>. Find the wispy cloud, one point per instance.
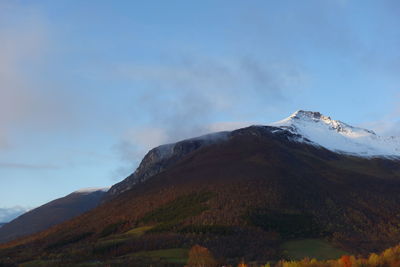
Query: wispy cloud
<point x="185" y="95"/>
<point x="389" y="124"/>
<point x="24" y="166"/>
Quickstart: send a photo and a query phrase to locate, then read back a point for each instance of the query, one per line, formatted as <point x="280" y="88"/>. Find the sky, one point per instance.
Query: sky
<point x="88" y="87"/>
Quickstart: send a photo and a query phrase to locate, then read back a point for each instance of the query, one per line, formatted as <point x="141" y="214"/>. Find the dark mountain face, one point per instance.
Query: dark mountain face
<point x="1" y="224"/>
<point x="52" y="213"/>
<point x="162" y="157"/>
<point x="240" y="197"/>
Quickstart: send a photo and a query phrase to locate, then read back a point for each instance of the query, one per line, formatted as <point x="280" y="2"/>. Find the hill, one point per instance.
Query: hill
<point x="245" y="196"/>
<point x="52" y="213"/>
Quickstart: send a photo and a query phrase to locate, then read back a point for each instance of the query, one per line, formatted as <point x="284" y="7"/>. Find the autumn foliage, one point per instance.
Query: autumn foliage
<point x="345" y="261"/>
<point x="388" y="258"/>
<point x="200" y="257"/>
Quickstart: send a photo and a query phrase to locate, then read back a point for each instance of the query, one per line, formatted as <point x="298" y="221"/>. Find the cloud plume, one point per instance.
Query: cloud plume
<point x="25" y="166"/>
<point x="188" y="98"/>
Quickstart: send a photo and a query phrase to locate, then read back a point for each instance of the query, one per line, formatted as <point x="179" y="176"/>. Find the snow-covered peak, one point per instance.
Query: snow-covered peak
<point x="339" y="136"/>
<point x="303" y="114"/>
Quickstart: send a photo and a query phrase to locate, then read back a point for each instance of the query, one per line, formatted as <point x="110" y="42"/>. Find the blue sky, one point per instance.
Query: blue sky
<point x="87" y="87"/>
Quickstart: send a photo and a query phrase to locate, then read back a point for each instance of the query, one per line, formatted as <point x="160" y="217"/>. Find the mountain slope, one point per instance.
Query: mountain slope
<point x="240" y="197"/>
<point x="52" y="213"/>
<point x="161" y="157"/>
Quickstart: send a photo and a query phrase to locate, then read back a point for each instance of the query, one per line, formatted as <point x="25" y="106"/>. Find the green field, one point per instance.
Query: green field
<point x="139" y="231"/>
<point x="35" y="263"/>
<point x="175" y="255"/>
<point x="311" y="248"/>
<point x="116" y="240"/>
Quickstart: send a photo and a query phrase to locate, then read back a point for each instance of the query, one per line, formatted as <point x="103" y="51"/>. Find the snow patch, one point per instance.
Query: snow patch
<point x="91" y="190"/>
<point x="167" y="150"/>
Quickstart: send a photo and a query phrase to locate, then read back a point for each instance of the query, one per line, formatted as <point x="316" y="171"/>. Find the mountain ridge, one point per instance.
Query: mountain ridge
<point x="342" y="138"/>
<point x="241" y="194"/>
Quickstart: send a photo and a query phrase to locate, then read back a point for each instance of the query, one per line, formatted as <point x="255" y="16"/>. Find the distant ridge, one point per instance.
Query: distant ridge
<point x="52" y="213"/>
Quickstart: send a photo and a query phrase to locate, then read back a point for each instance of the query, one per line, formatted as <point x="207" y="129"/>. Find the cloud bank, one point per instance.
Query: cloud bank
<point x="9" y="214"/>
<point x="29" y="99"/>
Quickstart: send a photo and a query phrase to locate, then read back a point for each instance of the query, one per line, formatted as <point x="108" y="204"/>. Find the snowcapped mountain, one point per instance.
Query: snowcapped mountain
<point x="240" y="181"/>
<point x="338" y="136"/>
<point x="308" y="127"/>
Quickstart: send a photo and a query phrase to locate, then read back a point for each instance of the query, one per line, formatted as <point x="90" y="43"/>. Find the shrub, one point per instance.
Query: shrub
<point x="200" y="257"/>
